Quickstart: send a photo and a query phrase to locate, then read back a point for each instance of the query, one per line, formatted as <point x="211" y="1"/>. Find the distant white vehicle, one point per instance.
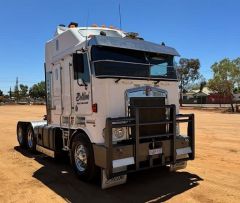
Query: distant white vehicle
<point x="112" y="103"/>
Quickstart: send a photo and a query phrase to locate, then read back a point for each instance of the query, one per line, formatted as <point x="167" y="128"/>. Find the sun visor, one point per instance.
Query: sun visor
<point x="132" y="44"/>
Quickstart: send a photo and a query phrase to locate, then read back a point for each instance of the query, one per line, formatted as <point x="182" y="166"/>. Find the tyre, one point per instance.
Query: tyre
<point x="31" y="140"/>
<point x="82" y="157"/>
<point x="21" y="136"/>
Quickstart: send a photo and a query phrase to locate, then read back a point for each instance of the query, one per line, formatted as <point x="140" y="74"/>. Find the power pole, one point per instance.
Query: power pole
<point x="16" y="90"/>
<point x="10" y="92"/>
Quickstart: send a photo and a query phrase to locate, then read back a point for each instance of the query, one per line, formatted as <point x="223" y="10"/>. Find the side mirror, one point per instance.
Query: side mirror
<point x="78" y="64"/>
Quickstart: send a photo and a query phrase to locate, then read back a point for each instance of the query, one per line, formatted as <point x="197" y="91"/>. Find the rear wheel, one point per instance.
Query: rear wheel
<point x="31" y="140"/>
<point x="82" y="157"/>
<point x="21" y="136"/>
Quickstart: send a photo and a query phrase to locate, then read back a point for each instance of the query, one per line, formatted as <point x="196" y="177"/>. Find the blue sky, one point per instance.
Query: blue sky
<point x="204" y="29"/>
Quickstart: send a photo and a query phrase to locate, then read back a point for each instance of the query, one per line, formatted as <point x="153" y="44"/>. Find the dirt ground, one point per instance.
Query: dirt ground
<point x="214" y="176"/>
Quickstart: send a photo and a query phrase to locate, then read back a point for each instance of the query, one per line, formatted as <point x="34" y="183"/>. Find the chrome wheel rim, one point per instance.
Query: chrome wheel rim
<point x="80" y="156"/>
<point x="20" y="135"/>
<point x="30" y="139"/>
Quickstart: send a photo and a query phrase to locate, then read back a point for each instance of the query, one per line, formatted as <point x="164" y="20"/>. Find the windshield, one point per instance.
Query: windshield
<point x="124" y="63"/>
<point x="109" y="33"/>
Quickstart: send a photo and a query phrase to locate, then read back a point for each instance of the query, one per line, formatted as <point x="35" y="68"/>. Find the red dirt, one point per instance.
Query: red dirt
<point x="214" y="176"/>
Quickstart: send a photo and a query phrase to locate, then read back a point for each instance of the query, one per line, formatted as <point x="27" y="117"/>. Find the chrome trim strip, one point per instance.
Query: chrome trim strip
<point x="185" y="150"/>
<point x="136" y="78"/>
<point x="122" y="162"/>
<point x="128" y="62"/>
<point x="162" y="92"/>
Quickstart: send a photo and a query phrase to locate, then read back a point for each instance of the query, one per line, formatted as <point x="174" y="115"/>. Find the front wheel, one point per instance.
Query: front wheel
<point x="82" y="157"/>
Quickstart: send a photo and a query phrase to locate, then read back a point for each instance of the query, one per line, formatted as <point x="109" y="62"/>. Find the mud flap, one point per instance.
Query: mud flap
<point x="107" y="183"/>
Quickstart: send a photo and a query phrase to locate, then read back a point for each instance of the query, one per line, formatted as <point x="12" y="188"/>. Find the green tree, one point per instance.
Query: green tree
<point x="23" y="90"/>
<point x="226" y="74"/>
<point x="1" y="95"/>
<point x="236" y="90"/>
<point x="38" y="90"/>
<point x="202" y="85"/>
<point x="236" y="73"/>
<point x="188" y="72"/>
<point x="198" y="85"/>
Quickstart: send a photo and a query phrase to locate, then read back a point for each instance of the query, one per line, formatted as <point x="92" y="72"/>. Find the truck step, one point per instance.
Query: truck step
<point x="46" y="151"/>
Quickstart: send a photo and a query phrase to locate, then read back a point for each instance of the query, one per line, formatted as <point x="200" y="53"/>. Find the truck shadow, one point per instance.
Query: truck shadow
<point x="155" y="185"/>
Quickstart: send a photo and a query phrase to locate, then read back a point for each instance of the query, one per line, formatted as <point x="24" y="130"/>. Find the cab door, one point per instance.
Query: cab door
<point x="82" y="99"/>
<point x="54" y="94"/>
<point x="56" y="110"/>
<point x="57" y="89"/>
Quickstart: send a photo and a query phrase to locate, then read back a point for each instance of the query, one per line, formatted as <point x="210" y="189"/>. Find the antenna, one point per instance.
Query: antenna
<point x="87" y="28"/>
<point x="120" y="16"/>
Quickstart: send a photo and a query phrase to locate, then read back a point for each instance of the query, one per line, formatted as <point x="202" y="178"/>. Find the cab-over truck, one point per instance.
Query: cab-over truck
<point x="112" y="103"/>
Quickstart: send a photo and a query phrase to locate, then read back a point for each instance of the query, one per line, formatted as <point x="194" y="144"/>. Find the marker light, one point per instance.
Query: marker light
<point x="73" y="25"/>
<point x="94" y="108"/>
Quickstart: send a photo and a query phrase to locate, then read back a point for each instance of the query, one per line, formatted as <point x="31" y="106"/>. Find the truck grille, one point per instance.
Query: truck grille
<point x="149" y="115"/>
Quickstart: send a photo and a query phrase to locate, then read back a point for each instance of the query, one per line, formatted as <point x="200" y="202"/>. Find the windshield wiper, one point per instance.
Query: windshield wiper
<point x="84" y="82"/>
<point x="116" y="81"/>
<point x="156" y="82"/>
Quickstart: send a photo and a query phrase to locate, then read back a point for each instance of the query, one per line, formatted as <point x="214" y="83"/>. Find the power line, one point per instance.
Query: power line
<point x="20" y="81"/>
<point x="120" y="16"/>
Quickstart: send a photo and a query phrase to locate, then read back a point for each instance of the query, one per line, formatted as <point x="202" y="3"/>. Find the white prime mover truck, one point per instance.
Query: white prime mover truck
<point x="112" y="103"/>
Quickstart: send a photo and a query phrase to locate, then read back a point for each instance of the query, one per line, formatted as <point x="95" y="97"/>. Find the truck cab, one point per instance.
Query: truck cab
<point x="112" y="103"/>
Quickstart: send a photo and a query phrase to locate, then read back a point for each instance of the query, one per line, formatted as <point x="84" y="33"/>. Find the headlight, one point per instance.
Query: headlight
<point x="118" y="133"/>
